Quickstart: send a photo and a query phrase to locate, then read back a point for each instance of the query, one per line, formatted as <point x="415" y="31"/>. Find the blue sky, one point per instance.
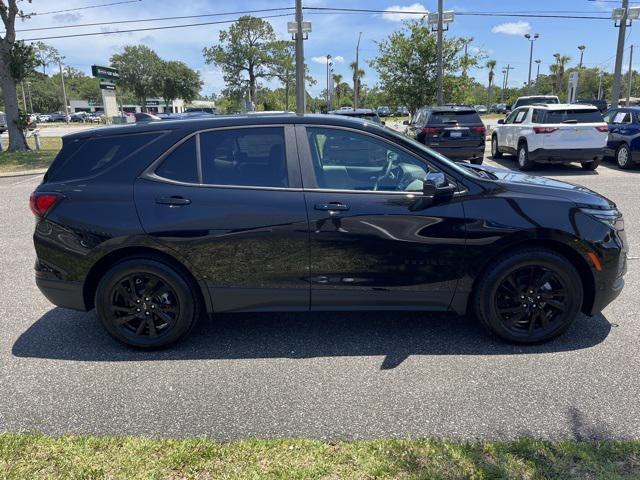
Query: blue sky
<point x="336" y="34"/>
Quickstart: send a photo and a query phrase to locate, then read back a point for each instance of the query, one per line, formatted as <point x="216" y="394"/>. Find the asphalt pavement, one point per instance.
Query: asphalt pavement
<point x="325" y="376"/>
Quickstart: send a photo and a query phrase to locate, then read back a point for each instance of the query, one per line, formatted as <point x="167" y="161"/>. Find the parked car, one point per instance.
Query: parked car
<point x="57" y="117"/>
<point x="364" y="113"/>
<point x="623" y="142"/>
<point x="158" y="223"/>
<point x="498" y="108"/>
<point x="402" y="112"/>
<point x="552" y="133"/>
<point x="600" y="104"/>
<point x="384" y="111"/>
<point x="78" y="117"/>
<point x="530" y="100"/>
<point x="146" y="117"/>
<point x="3" y="122"/>
<point x="456" y="132"/>
<point x="43" y="117"/>
<point x="481" y="109"/>
<point x="209" y="110"/>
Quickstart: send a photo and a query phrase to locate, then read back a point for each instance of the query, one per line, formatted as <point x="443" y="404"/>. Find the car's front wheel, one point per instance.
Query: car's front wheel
<point x="623" y="157"/>
<point x="529" y="296"/>
<point x="145" y="303"/>
<point x="495" y="151"/>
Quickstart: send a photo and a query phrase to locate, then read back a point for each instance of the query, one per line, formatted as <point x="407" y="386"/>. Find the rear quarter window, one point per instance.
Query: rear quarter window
<point x="572" y="116"/>
<point x="463" y="118"/>
<point x="87" y="157"/>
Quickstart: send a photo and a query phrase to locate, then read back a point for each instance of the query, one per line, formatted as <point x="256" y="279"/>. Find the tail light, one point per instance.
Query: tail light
<point x="602" y="128"/>
<point x="481" y="130"/>
<point x="41" y="203"/>
<point x="431" y="130"/>
<point x="544" y="129"/>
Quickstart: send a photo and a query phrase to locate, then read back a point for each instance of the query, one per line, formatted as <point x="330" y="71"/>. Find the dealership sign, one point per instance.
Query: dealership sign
<point x="106" y="85"/>
<point x="106" y="73"/>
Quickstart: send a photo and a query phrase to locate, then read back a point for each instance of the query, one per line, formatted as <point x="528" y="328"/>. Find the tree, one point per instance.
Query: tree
<point x="283" y="67"/>
<point x="357" y="78"/>
<point x="491" y="64"/>
<point x="244" y="54"/>
<point x="140" y="71"/>
<point x="558" y="69"/>
<point x="16" y="59"/>
<point x="406" y="64"/>
<point x="46" y="55"/>
<point x="179" y="81"/>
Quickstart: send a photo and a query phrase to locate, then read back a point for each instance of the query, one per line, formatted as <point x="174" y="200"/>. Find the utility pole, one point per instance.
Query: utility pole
<point x="630" y="75"/>
<point x="465" y="67"/>
<point x="615" y="90"/>
<point x="356" y="86"/>
<point x="24" y="97"/>
<point x="440" y="94"/>
<point x="504" y="73"/>
<point x="300" y="89"/>
<point x="537" y="72"/>
<point x="506" y="77"/>
<point x="328" y="61"/>
<point x="64" y="92"/>
<point x="531" y="40"/>
<point x="600" y="87"/>
<point x="29" y="95"/>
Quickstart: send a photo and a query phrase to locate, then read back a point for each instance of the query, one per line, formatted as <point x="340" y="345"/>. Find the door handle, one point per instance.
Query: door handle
<point x="331" y="206"/>
<point x="174" y="200"/>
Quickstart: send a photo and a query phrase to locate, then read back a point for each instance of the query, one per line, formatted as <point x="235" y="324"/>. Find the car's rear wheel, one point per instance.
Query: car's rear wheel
<point x="145" y="303"/>
<point x="495" y="152"/>
<point x="623" y="157"/>
<point x="591" y="165"/>
<point x="529" y="296"/>
<point x="523" y="158"/>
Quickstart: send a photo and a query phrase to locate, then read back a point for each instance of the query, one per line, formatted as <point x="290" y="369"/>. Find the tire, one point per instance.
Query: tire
<point x="476" y="161"/>
<point x="523" y="158"/>
<point x="495" y="153"/>
<point x="497" y="300"/>
<point x="590" y="165"/>
<point x="623" y="157"/>
<point x="158" y="317"/>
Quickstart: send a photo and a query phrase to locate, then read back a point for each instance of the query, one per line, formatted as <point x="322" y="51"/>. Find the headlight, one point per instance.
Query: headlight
<point x="611" y="217"/>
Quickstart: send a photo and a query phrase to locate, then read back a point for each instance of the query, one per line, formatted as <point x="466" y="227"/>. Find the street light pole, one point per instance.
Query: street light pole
<point x="64" y="91"/>
<point x="328" y="60"/>
<point x="300" y="90"/>
<point x="531" y="40"/>
<point x="29" y="95"/>
<point x="440" y="94"/>
<point x="581" y="48"/>
<point x="630" y="75"/>
<point x="356" y="87"/>
<point x="617" y="71"/>
<point x="537" y="72"/>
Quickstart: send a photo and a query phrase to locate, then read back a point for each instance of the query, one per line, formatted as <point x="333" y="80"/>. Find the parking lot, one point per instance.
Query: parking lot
<point x="326" y="376"/>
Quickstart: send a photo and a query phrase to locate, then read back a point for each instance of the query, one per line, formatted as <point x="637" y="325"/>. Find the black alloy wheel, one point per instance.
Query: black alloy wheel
<point x="531" y="299"/>
<point x="528" y="296"/>
<point x="146" y="303"/>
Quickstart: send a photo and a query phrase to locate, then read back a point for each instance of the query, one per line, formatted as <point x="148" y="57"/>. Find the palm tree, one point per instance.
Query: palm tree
<point x="356" y="78"/>
<point x="337" y="80"/>
<point x="561" y="61"/>
<point x="491" y="64"/>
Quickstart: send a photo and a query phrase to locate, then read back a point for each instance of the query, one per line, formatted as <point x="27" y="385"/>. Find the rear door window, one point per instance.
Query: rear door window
<point x="573" y="116"/>
<point x="181" y="164"/>
<point x="81" y="158"/>
<point x="464" y="118"/>
<point x="253" y="157"/>
<point x="622" y="117"/>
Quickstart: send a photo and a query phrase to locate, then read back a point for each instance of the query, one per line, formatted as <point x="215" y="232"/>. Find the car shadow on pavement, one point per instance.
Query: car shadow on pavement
<point x="572" y="169"/>
<point x="68" y="335"/>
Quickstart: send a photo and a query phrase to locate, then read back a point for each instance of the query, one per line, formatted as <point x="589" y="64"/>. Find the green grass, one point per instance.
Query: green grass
<point x="33" y="159"/>
<point x="29" y="456"/>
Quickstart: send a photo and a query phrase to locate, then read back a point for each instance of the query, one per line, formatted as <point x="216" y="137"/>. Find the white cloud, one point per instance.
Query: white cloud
<point x="398" y="17"/>
<point x="512" y="28"/>
<point x="323" y="60"/>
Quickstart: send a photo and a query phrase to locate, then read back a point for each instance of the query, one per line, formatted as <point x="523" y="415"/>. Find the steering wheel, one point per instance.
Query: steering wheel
<point x="387" y="171"/>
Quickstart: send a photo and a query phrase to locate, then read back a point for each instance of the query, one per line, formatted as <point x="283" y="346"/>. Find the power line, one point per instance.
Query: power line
<point x="83" y="8"/>
<point x="184" y="17"/>
<point x="166" y="27"/>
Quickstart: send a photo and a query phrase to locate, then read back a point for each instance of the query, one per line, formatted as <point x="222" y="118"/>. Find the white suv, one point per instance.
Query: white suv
<point x="552" y="133"/>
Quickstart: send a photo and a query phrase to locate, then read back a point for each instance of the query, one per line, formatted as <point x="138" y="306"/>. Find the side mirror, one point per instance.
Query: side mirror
<point x="405" y="122"/>
<point x="435" y="185"/>
<point x="501" y="121"/>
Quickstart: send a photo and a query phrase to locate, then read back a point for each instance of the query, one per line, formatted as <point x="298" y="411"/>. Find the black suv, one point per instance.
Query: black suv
<point x="157" y="224"/>
<point x="456" y="132"/>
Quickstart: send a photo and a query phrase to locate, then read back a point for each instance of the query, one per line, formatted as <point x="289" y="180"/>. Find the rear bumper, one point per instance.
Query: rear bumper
<point x="62" y="293"/>
<point x="460" y="153"/>
<point x="565" y="155"/>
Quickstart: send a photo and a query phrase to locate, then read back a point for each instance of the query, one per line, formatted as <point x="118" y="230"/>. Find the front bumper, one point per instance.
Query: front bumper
<point x="566" y="155"/>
